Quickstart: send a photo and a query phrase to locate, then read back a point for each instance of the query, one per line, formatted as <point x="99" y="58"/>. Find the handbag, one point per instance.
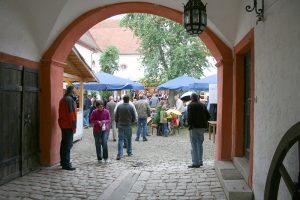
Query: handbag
<point x="103" y="127"/>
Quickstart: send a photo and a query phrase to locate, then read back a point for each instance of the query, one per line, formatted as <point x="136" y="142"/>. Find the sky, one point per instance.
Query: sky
<point x="212" y="69"/>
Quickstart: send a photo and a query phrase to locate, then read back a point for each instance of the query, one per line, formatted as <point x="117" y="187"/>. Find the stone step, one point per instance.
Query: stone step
<point x="121" y="186"/>
<point x="232" y="181"/>
<point x="242" y="165"/>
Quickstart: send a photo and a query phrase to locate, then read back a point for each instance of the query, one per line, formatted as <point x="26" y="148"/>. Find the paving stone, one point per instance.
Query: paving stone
<point x="181" y="187"/>
<point x="161" y="163"/>
<point x="36" y="196"/>
<point x="182" y="197"/>
<point x="92" y="197"/>
<point x="138" y="187"/>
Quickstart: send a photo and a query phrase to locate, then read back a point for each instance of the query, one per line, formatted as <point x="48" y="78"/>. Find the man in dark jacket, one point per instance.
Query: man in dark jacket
<point x="67" y="121"/>
<point x="125" y="116"/>
<point x="197" y="121"/>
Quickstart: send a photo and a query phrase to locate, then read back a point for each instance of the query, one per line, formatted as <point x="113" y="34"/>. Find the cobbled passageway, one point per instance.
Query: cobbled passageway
<point x="157" y="170"/>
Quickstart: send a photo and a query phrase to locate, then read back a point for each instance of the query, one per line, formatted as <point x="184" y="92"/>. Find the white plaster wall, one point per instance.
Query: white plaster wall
<point x="277" y="80"/>
<point x="15" y="36"/>
<point x="89" y="57"/>
<point x="246" y="22"/>
<point x="134" y="69"/>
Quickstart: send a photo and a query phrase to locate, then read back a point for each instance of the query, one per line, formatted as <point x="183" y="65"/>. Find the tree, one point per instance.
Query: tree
<point x="105" y="94"/>
<point x="167" y="50"/>
<point x="109" y="62"/>
<point x="109" y="59"/>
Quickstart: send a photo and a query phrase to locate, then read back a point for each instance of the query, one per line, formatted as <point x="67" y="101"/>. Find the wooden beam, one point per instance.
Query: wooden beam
<point x="71" y="76"/>
<point x="72" y="66"/>
<point x="68" y="80"/>
<point x="89" y="79"/>
<point x="81" y="96"/>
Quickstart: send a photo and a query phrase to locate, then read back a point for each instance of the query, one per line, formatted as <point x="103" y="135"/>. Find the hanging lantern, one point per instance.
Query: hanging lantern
<point x="194" y="17"/>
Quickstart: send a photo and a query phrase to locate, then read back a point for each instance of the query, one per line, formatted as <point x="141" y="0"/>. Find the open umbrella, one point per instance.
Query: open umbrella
<point x="173" y="111"/>
<point x="179" y="83"/>
<point x="203" y="84"/>
<point x="111" y="82"/>
<point x="186" y="96"/>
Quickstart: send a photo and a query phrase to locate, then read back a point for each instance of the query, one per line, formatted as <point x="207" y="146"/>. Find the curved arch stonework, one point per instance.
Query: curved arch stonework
<point x="54" y="60"/>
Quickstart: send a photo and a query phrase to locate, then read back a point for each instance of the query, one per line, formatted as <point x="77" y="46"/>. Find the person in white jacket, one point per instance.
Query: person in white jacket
<point x="180" y="108"/>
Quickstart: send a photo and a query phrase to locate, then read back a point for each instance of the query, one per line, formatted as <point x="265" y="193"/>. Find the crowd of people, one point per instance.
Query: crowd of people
<point x="110" y="116"/>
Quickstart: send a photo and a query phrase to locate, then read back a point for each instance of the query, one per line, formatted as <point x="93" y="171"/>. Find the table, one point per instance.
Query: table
<point x="212" y="126"/>
<point x="152" y="109"/>
<point x="149" y="119"/>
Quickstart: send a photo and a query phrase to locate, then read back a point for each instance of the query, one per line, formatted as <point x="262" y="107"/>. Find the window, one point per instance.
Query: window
<point x="123" y="66"/>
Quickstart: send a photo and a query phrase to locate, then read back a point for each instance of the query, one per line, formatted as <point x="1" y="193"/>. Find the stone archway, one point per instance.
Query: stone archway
<point x="53" y="62"/>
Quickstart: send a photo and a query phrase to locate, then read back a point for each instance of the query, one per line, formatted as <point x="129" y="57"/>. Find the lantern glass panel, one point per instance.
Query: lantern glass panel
<point x="203" y="18"/>
<point x="196" y="16"/>
<point x="187" y="17"/>
<point x="202" y="28"/>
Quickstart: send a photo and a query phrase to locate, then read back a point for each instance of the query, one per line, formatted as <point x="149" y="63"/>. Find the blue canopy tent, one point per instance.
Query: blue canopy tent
<point x="204" y="83"/>
<point x="136" y="85"/>
<point x="213" y="79"/>
<point x="180" y="83"/>
<point x="111" y="82"/>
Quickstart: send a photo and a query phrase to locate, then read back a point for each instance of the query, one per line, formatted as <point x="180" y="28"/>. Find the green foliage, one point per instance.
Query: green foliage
<point x="106" y="94"/>
<point x="167" y="50"/>
<point x="109" y="59"/>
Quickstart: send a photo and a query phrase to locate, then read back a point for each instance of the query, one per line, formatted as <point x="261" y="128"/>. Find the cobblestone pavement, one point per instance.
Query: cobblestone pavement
<point x="157" y="170"/>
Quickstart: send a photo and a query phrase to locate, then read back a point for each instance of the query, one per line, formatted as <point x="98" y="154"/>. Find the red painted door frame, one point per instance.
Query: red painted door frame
<point x="54" y="60"/>
<point x="244" y="46"/>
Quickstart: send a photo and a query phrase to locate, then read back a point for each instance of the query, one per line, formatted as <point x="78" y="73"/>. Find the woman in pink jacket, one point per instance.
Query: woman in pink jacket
<point x="101" y="119"/>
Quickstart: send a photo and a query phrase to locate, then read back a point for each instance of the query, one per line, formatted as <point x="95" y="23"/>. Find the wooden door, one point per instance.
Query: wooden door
<point x="10" y="121"/>
<point x="19" y="121"/>
<point x="30" y="121"/>
<point x="247" y="104"/>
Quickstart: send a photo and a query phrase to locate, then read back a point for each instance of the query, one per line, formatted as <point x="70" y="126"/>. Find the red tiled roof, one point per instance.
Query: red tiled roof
<point x="109" y="32"/>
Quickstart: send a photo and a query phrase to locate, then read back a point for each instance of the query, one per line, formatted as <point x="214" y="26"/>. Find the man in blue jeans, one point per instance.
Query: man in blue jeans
<point x="197" y="121"/>
<point x="124" y="117"/>
<point x="67" y="121"/>
<point x="143" y="111"/>
<point x="87" y="103"/>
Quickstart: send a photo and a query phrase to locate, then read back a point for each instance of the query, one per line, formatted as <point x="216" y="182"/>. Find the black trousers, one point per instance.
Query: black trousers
<point x="65" y="147"/>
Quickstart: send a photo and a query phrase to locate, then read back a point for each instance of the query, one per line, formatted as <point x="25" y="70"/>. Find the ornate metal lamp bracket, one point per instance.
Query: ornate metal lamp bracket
<point x="259" y="12"/>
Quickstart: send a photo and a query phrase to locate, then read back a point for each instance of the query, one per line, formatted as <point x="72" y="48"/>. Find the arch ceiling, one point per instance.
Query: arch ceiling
<point x="55" y="16"/>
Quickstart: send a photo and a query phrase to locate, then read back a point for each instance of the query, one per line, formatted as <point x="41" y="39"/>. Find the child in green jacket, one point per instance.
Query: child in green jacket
<point x="164" y="120"/>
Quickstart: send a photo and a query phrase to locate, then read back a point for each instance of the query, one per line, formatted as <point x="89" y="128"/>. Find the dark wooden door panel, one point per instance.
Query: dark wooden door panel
<point x="19" y="121"/>
<point x="10" y="126"/>
<point x="10" y="75"/>
<point x="30" y="137"/>
<point x="247" y="104"/>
